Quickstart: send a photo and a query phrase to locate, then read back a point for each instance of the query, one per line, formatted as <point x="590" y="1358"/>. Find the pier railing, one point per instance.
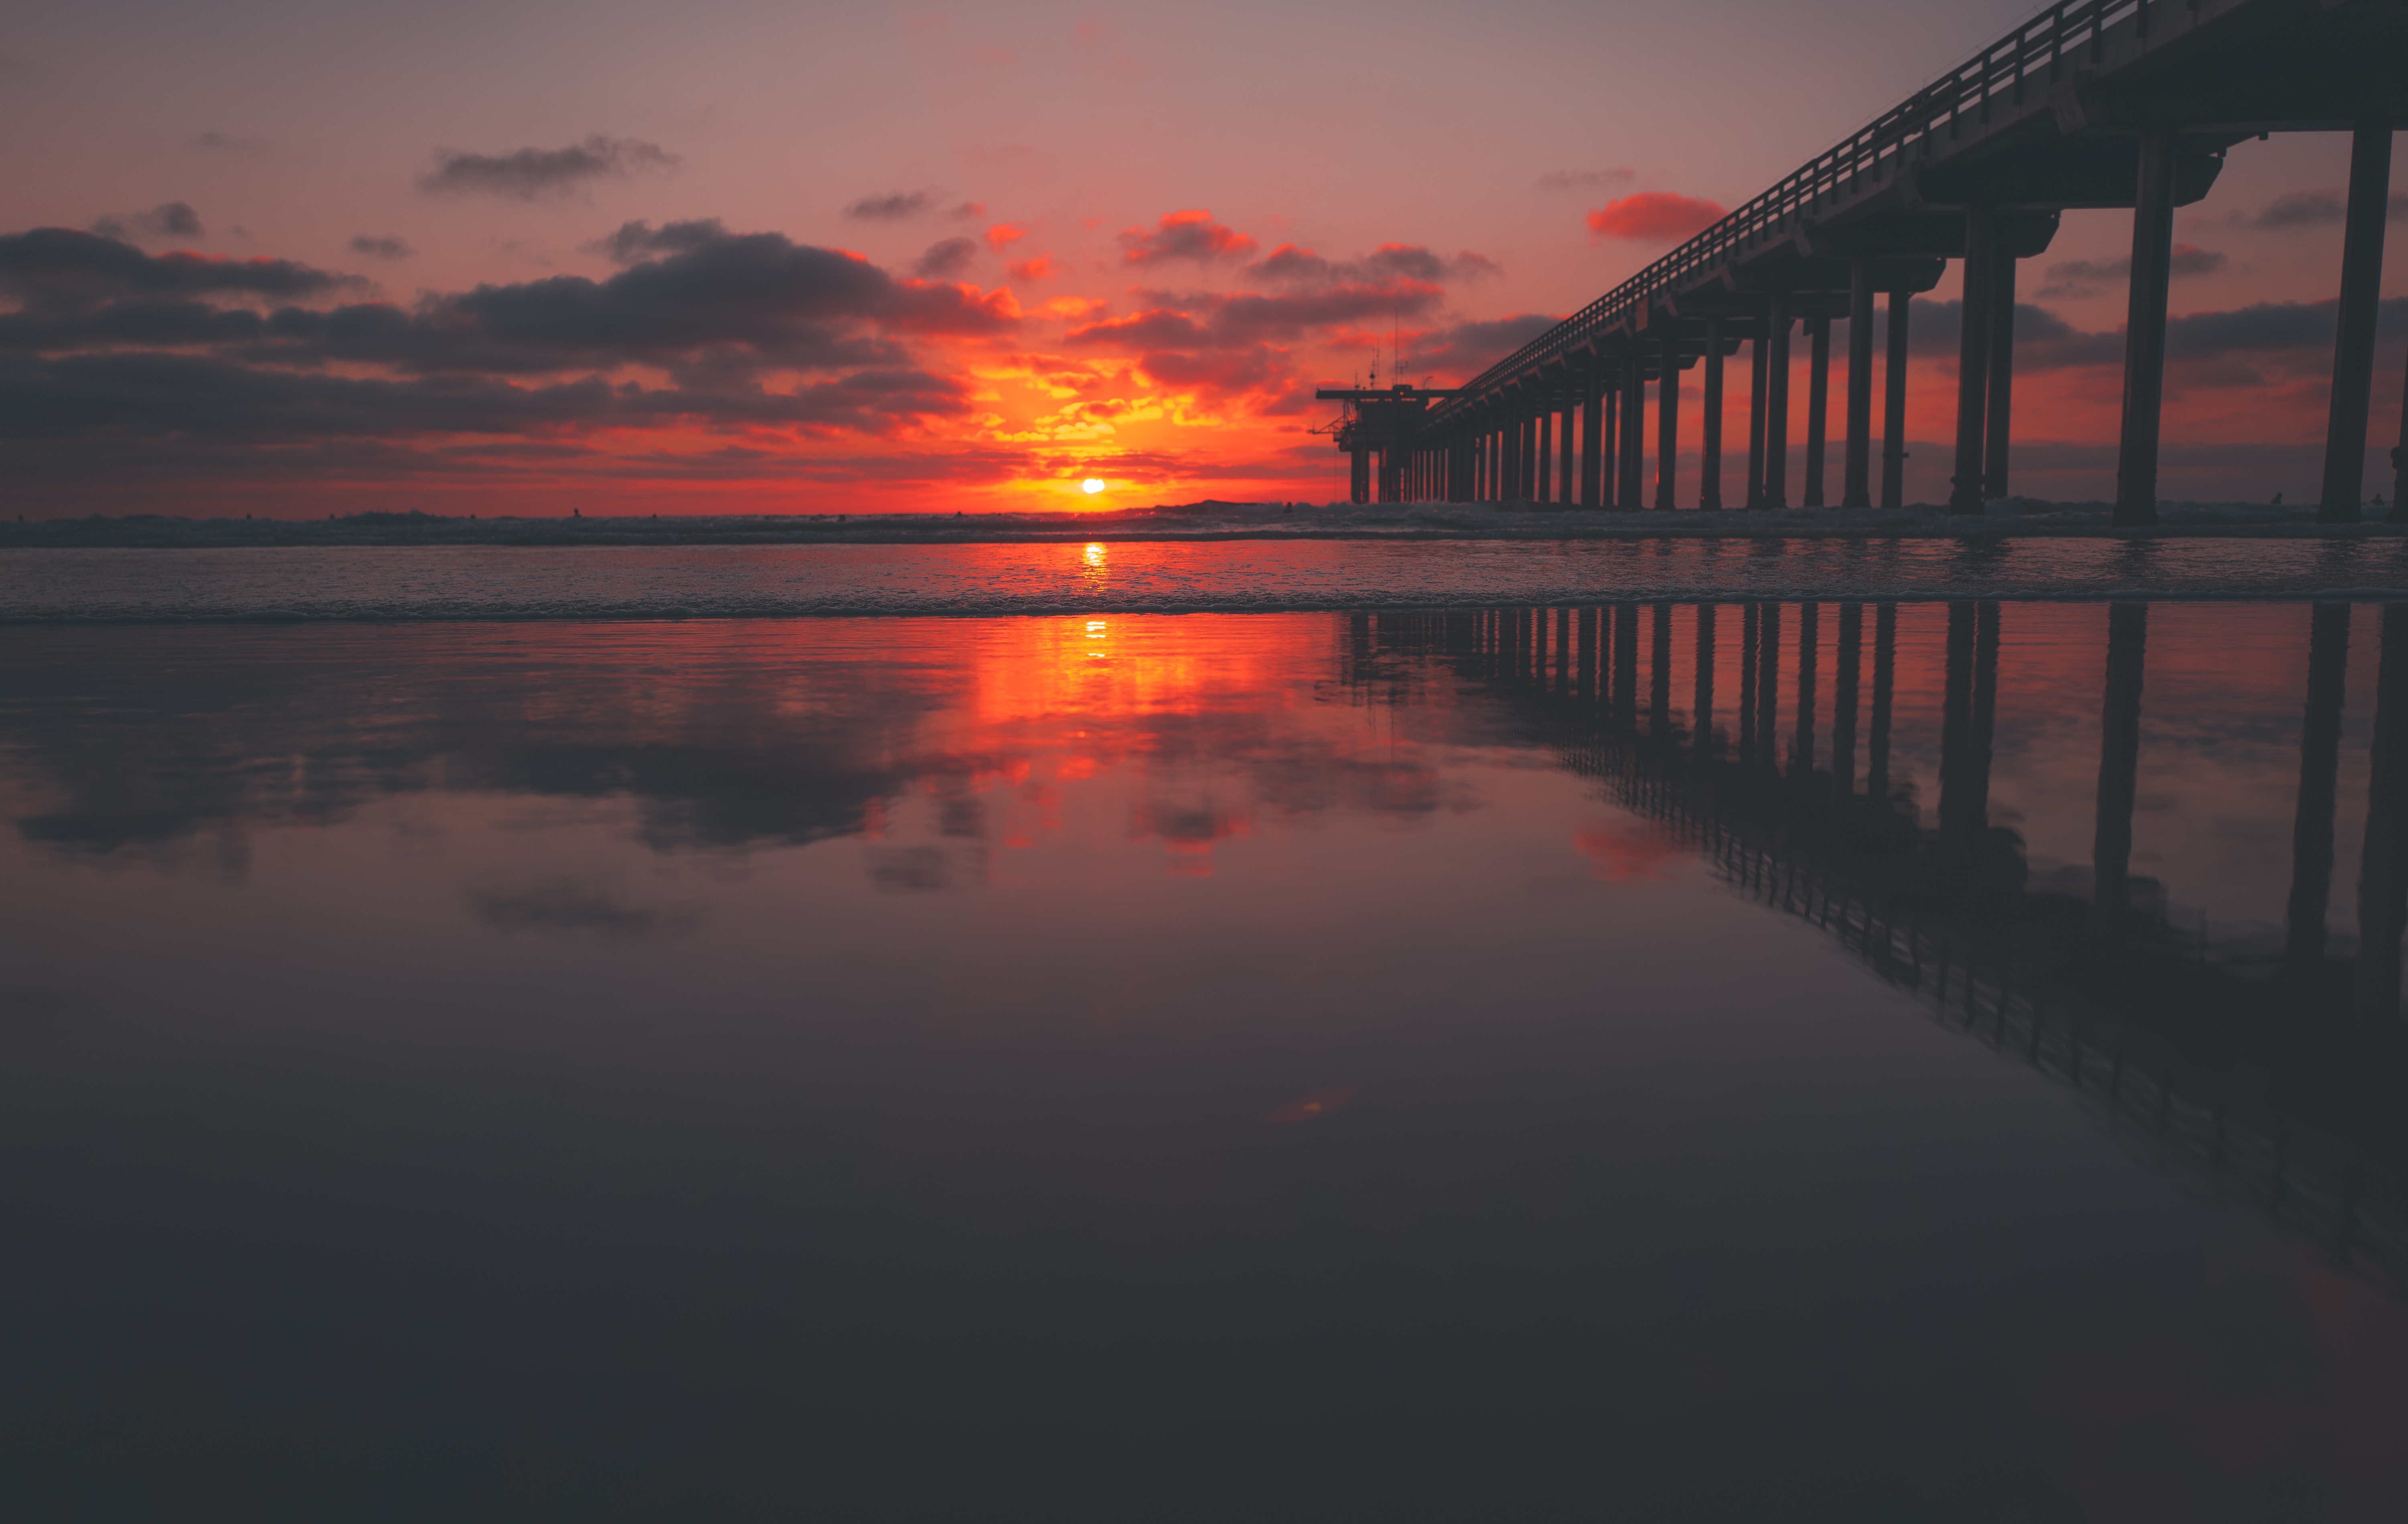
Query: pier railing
<point x="2039" y="50"/>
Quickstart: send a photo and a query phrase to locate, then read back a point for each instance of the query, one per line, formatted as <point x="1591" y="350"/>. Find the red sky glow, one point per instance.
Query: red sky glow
<point x="525" y="256"/>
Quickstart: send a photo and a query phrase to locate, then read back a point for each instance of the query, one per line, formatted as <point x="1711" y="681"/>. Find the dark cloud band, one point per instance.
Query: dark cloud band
<point x="532" y="174"/>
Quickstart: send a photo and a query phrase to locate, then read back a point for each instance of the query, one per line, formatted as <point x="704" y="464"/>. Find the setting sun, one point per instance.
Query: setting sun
<point x="1092" y="484"/>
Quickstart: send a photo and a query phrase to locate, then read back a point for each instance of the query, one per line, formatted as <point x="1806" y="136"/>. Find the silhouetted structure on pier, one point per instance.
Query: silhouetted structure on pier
<point x="2280" y="1090"/>
<point x="2097" y="103"/>
<point x="1378" y="426"/>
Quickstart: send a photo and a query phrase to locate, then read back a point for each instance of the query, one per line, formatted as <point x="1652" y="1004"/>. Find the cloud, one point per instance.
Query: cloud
<point x="390" y="246"/>
<point x="532" y="174"/>
<point x="967" y="211"/>
<point x="1292" y="267"/>
<point x="1207" y="320"/>
<point x="1183" y="235"/>
<point x="783" y="303"/>
<point x="891" y="208"/>
<point x="217" y="142"/>
<point x="1232" y="348"/>
<point x="1004" y="234"/>
<point x="2302" y="209"/>
<point x="169" y="219"/>
<point x="2044" y="341"/>
<point x="2298" y="208"/>
<point x="756" y="294"/>
<point x="1584" y="179"/>
<point x="945" y="259"/>
<point x="207" y="403"/>
<point x="113" y="346"/>
<point x="1653" y="216"/>
<point x="1036" y="268"/>
<point x="1464" y="350"/>
<point x="60" y="268"/>
<point x="2256" y="329"/>
<point x="2085" y="277"/>
<point x="641" y="240"/>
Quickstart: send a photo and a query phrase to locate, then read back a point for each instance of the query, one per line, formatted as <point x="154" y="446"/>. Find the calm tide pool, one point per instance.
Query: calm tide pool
<point x="1651" y="1062"/>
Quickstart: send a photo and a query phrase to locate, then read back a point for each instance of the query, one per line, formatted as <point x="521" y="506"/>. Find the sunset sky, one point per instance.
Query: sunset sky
<point x="726" y="257"/>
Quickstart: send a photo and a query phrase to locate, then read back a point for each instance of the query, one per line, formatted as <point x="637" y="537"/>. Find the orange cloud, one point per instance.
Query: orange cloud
<point x="1005" y="233"/>
<point x="1653" y="216"/>
<point x="1036" y="268"/>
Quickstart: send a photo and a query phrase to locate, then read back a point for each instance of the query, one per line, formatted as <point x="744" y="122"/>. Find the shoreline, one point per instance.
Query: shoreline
<point x="2016" y="520"/>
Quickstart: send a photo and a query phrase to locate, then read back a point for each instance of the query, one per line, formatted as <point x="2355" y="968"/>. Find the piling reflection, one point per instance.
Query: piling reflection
<point x="2274" y="1075"/>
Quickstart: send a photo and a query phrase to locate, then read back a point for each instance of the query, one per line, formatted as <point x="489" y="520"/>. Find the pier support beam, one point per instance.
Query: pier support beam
<point x="1626" y="665"/>
<point x="1776" y="405"/>
<point x="1750" y="622"/>
<point x="1667" y="427"/>
<point x="1609" y="450"/>
<point x="1701" y="709"/>
<point x="1710" y="454"/>
<point x="1532" y="456"/>
<point x="1592" y="418"/>
<point x="2000" y="391"/>
<point x="2361" y="292"/>
<point x="2119" y="757"/>
<point x="1634" y="431"/>
<point x="2398" y="514"/>
<point x="2312" y="823"/>
<point x="1855" y="476"/>
<point x="2383" y="865"/>
<point x="1567" y="400"/>
<point x="1973" y="360"/>
<point x="1543" y="452"/>
<point x="1756" y="370"/>
<point x="1358" y="475"/>
<point x="1894" y="405"/>
<point x="1810" y="644"/>
<point x="1956" y="730"/>
<point x="1884" y="688"/>
<point x="1659" y="670"/>
<point x="1844" y="703"/>
<point x="1767" y="688"/>
<point x="1818" y="405"/>
<point x="2145" y="331"/>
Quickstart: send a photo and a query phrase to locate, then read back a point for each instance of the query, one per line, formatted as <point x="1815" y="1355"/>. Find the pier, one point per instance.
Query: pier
<point x="2101" y="104"/>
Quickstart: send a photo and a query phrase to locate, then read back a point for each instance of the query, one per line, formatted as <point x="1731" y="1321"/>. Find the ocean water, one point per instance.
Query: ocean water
<point x="614" y="582"/>
<point x="1623" y="1053"/>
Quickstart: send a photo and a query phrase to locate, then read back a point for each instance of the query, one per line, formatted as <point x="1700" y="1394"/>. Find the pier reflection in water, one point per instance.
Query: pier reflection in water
<point x="1482" y="1059"/>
